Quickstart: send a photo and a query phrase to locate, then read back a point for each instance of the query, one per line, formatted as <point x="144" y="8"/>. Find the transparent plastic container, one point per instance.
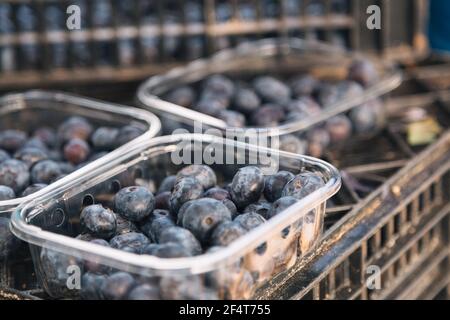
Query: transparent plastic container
<point x="283" y="56"/>
<point x="50" y="223"/>
<point x="33" y="109"/>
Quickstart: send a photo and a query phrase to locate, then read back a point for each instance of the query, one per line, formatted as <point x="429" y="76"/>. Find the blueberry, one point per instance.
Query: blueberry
<point x="45" y="171"/>
<point x="280" y="205"/>
<point x="231" y="207"/>
<point x="91" y="284"/>
<point x="144" y="292"/>
<point x="247" y="186"/>
<point x="267" y="116"/>
<point x="134" y="203"/>
<point x="203" y="174"/>
<point x="350" y="89"/>
<point x="339" y="128"/>
<point x="363" y="71"/>
<point x="46" y="135"/>
<point x="367" y="118"/>
<point x="166" y="250"/>
<point x="98" y="221"/>
<point x="33" y="188"/>
<point x="30" y="155"/>
<point x="4" y="156"/>
<point x="233" y="119"/>
<point x="217" y="193"/>
<point x="203" y="215"/>
<point x="184" y="287"/>
<point x="183" y="96"/>
<point x="66" y="167"/>
<point x="272" y="90"/>
<point x="246" y="101"/>
<point x="302" y="185"/>
<point x="303" y="85"/>
<point x="223" y="196"/>
<point x="249" y="221"/>
<point x="128" y="133"/>
<point x="12" y="140"/>
<point x="54" y="266"/>
<point x="185" y="189"/>
<point x="74" y="128"/>
<point x="318" y="140"/>
<point x="328" y="94"/>
<point x="6" y="193"/>
<point x="162" y="200"/>
<point x="220" y="85"/>
<point x="85" y="237"/>
<point x="124" y="226"/>
<point x="117" y="286"/>
<point x="261" y="207"/>
<point x="14" y="174"/>
<point x="304" y="107"/>
<point x="274" y="184"/>
<point x="226" y="232"/>
<point x="210" y="107"/>
<point x="157" y="223"/>
<point x="94" y="265"/>
<point x="105" y="138"/>
<point x="76" y="151"/>
<point x="167" y="184"/>
<point x="182" y="237"/>
<point x="35" y="143"/>
<point x="133" y="240"/>
<point x="293" y="144"/>
<point x="8" y="242"/>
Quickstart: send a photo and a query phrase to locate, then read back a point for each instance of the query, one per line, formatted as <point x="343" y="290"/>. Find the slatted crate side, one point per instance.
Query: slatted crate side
<point x="135" y="45"/>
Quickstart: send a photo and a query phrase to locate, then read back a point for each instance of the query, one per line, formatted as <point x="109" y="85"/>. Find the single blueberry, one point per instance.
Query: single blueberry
<point x="182" y="237"/>
<point x="76" y="151"/>
<point x="134" y="203"/>
<point x="14" y="174"/>
<point x="156" y="223"/>
<point x="204" y="175"/>
<point x="45" y="171"/>
<point x="12" y="140"/>
<point x="144" y="292"/>
<point x="303" y="185"/>
<point x="134" y="240"/>
<point x="91" y="284"/>
<point x="247" y="186"/>
<point x="226" y="232"/>
<point x="74" y="128"/>
<point x="280" y="205"/>
<point x="166" y="250"/>
<point x="246" y="101"/>
<point x="203" y="215"/>
<point x="167" y="184"/>
<point x="98" y="221"/>
<point x="274" y="184"/>
<point x="250" y="220"/>
<point x="33" y="188"/>
<point x="183" y="96"/>
<point x="261" y="207"/>
<point x="128" y="133"/>
<point x="185" y="189"/>
<point x="47" y="136"/>
<point x="272" y="90"/>
<point x="6" y="193"/>
<point x="4" y="156"/>
<point x="105" y="138"/>
<point x="30" y="155"/>
<point x="117" y="286"/>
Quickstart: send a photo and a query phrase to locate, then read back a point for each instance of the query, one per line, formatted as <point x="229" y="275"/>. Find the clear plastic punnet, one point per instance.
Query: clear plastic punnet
<point x="283" y="57"/>
<point x="33" y="109"/>
<point x="70" y="267"/>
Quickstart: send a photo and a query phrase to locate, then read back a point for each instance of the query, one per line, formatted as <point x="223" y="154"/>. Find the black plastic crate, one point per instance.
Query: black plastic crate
<point x="130" y="40"/>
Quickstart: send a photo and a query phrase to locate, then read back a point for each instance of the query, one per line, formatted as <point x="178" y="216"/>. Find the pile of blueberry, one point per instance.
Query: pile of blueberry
<point x="266" y="101"/>
<point x="29" y="161"/>
<point x="189" y="215"/>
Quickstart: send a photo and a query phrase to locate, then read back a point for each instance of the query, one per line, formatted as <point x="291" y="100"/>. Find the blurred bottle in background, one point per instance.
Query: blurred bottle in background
<point x="439" y="26"/>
